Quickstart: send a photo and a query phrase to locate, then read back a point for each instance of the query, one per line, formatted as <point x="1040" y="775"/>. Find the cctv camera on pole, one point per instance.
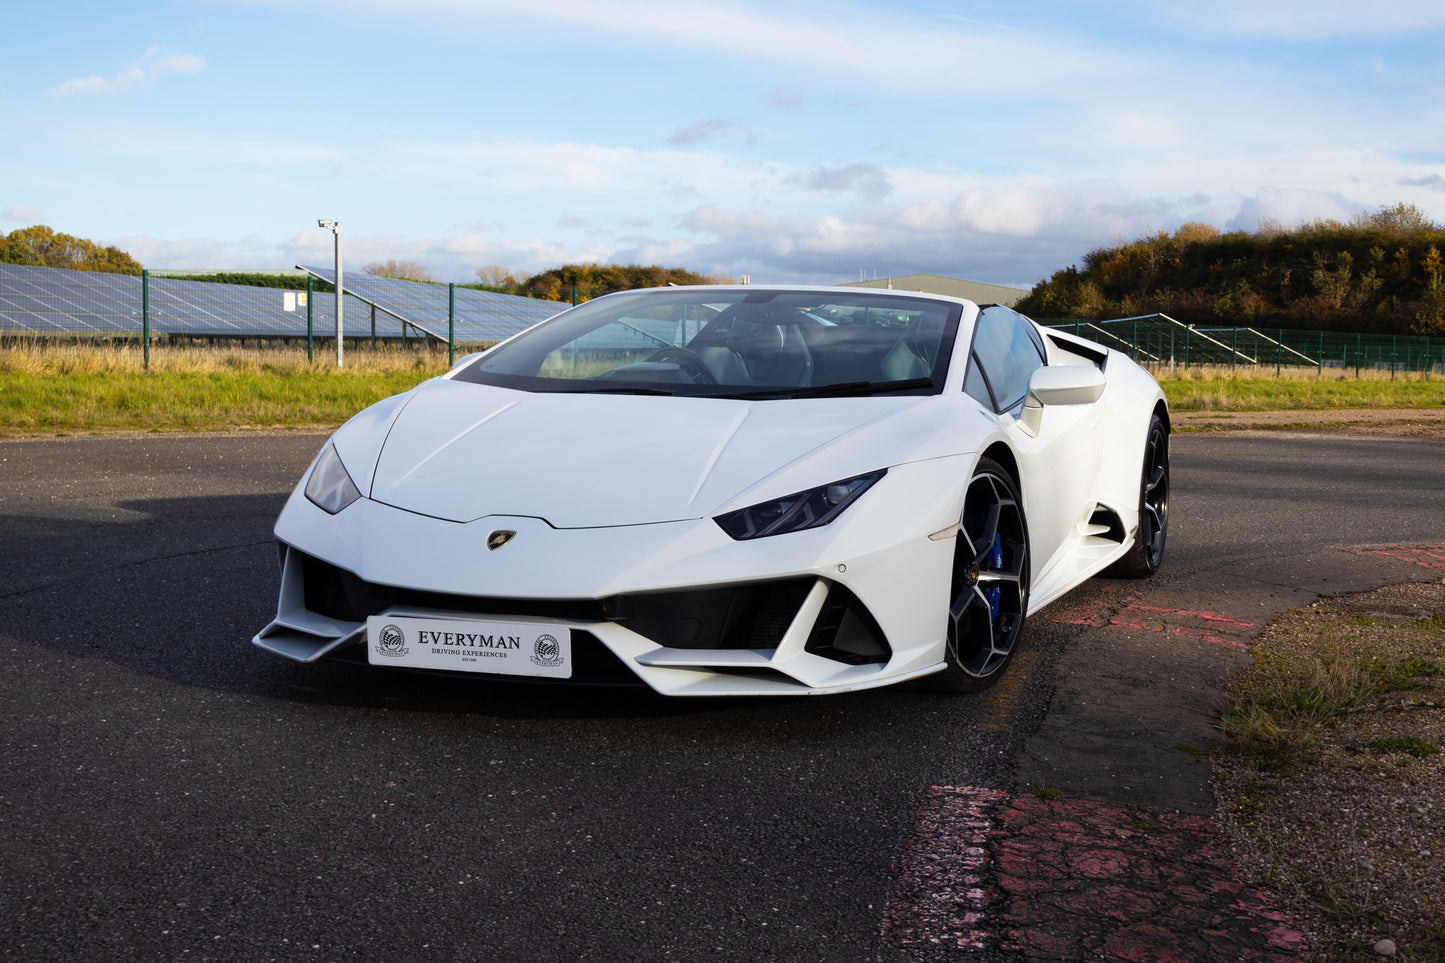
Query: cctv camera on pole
<point x="335" y="228"/>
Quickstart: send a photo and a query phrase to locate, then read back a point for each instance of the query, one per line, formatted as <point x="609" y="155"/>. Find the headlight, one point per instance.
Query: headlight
<point x="794" y="513"/>
<point x="330" y="488"/>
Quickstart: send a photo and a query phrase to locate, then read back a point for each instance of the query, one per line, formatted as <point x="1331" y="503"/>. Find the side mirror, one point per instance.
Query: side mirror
<point x="1069" y="384"/>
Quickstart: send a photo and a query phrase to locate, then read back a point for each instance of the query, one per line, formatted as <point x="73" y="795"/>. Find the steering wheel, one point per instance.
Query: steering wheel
<point x="688" y="363"/>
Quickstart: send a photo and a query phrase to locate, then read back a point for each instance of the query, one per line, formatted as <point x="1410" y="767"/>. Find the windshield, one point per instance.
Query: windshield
<point x="738" y="343"/>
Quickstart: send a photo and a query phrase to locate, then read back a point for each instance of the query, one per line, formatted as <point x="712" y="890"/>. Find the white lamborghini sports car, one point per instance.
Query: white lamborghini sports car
<point x="730" y="491"/>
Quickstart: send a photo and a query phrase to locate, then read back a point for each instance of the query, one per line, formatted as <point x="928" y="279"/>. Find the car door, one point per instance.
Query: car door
<point x="1059" y="466"/>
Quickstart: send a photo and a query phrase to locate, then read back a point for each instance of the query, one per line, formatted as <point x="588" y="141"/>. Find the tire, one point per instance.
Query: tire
<point x="989" y="589"/>
<point x="1147" y="551"/>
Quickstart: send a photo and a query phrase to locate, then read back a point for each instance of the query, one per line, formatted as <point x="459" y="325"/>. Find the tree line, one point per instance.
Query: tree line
<point x="570" y="282"/>
<point x="581" y="282"/>
<point x="1380" y="273"/>
<point x="42" y="247"/>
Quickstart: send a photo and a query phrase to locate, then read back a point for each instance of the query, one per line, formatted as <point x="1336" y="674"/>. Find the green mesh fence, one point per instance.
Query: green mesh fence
<point x="1157" y="340"/>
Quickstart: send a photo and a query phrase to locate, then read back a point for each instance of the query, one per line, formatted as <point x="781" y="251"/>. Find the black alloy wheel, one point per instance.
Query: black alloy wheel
<point x="1147" y="551"/>
<point x="989" y="594"/>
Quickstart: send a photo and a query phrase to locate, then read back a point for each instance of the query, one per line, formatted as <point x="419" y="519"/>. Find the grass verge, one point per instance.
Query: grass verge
<point x="1329" y="770"/>
<point x="70" y="388"/>
<point x="1219" y="392"/>
<point x="79" y="389"/>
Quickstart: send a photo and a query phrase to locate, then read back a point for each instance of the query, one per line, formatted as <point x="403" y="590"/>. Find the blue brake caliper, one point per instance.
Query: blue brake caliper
<point x="995" y="562"/>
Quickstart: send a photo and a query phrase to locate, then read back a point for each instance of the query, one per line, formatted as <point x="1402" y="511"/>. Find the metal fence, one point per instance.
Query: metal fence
<point x="48" y="302"/>
<point x="1159" y="341"/>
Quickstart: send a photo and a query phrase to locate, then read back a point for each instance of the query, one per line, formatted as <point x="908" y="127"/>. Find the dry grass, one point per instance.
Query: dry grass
<point x="70" y="388"/>
<point x="77" y="357"/>
<point x="1206" y="390"/>
<point x="1223" y="372"/>
<point x="1289" y="694"/>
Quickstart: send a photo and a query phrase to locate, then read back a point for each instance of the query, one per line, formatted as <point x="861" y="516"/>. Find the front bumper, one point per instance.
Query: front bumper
<point x="678" y="606"/>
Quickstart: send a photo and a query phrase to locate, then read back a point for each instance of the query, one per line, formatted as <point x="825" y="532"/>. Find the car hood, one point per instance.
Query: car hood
<point x="463" y="451"/>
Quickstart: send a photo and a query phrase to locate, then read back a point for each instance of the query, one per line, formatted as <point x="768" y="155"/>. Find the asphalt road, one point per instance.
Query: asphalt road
<point x="169" y="792"/>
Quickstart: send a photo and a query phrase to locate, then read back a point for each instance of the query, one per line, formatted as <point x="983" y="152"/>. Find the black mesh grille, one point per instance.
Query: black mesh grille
<point x="738" y="617"/>
<point x="339" y="594"/>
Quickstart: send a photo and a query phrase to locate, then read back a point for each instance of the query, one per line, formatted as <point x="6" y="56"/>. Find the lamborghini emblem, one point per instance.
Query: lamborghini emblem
<point x="497" y="539"/>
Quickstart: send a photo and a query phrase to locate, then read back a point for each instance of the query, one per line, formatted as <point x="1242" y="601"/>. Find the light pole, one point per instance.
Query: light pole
<point x="335" y="227"/>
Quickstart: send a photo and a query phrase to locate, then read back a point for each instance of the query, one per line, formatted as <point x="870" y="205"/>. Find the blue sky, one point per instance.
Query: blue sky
<point x="786" y="140"/>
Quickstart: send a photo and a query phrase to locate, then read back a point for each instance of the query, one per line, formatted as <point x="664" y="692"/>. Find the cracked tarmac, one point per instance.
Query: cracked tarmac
<point x="1037" y="879"/>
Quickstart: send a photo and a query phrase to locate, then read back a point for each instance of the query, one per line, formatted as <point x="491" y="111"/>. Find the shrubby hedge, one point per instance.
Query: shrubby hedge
<point x="1381" y="273"/>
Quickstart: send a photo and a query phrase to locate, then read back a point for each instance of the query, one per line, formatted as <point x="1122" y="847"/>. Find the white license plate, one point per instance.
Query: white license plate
<point x="464" y="645"/>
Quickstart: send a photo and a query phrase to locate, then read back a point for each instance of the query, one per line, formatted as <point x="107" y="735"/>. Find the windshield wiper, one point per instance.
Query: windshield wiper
<point x="846" y="389"/>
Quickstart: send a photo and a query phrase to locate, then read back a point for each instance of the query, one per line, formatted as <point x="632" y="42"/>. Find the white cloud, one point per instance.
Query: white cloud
<point x="712" y="129"/>
<point x="1432" y="182"/>
<point x="1305" y="19"/>
<point x="780" y="99"/>
<point x="201" y="253"/>
<point x="857" y="47"/>
<point x="151" y="66"/>
<point x="124" y="80"/>
<point x="1291" y="208"/>
<point x="453" y="257"/>
<point x="597" y="171"/>
<point x="1005" y="232"/>
<point x="180" y="63"/>
<point x="868" y="182"/>
<point x="21" y="215"/>
<point x="785" y="223"/>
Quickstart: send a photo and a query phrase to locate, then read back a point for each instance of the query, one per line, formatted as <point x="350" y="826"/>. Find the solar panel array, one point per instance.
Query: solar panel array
<point x="481" y="316"/>
<point x="55" y="300"/>
<point x="52" y="300"/>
